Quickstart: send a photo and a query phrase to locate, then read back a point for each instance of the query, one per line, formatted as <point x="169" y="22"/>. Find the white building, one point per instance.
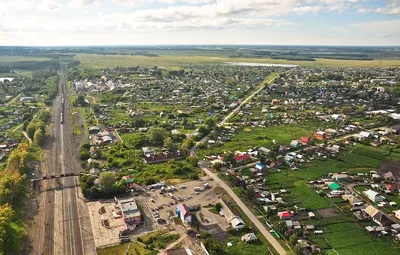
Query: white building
<point x="374" y="196"/>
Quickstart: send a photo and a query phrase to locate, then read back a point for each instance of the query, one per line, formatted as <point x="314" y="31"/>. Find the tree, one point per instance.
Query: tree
<point x="39" y="137"/>
<point x="17" y="158"/>
<point x="228" y="157"/>
<point x="157" y="135"/>
<point x="107" y="183"/>
<point x="45" y="116"/>
<point x="169" y="144"/>
<point x="12" y="187"/>
<point x="30" y="129"/>
<point x="218" y="207"/>
<point x="211" y="123"/>
<point x="6" y="215"/>
<point x="80" y="101"/>
<point x="293" y="239"/>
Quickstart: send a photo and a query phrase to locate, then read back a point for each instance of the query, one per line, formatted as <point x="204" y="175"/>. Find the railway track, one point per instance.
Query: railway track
<point x="58" y="224"/>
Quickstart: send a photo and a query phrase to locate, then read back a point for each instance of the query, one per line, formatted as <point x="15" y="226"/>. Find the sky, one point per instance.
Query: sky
<point x="163" y="22"/>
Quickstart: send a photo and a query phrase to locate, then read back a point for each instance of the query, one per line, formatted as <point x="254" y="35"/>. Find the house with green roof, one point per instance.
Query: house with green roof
<point x="129" y="181"/>
<point x="334" y="186"/>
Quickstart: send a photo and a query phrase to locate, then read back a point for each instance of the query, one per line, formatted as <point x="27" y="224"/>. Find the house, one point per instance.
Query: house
<point x="294" y="143"/>
<point x="340" y="177"/>
<point x="250" y="237"/>
<point x="396" y="129"/>
<point x="148" y="152"/>
<point x="237" y="223"/>
<point x="397" y="214"/>
<point x="275" y="102"/>
<point x="364" y="134"/>
<point x="353" y="200"/>
<point x="321" y="135"/>
<point x="334" y="148"/>
<point x="260" y="166"/>
<point x="163" y="158"/>
<point x="94" y="171"/>
<point x="377" y="216"/>
<point x="129" y="181"/>
<point x="130" y="211"/>
<point x="304" y="140"/>
<point x="391" y="187"/>
<point x="230" y="215"/>
<point x="334" y="186"/>
<point x="264" y="151"/>
<point x="285" y="215"/>
<point x="391" y="175"/>
<point x="94" y="130"/>
<point x="374" y="196"/>
<point x="183" y="213"/>
<point x="241" y="159"/>
<point x="179" y="251"/>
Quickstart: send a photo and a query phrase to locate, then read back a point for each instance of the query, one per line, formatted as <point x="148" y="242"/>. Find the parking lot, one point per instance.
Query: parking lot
<point x="163" y="204"/>
<point x="157" y="208"/>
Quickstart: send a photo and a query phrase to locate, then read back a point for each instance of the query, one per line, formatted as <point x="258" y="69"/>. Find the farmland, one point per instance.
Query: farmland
<point x="8" y="59"/>
<point x="174" y="61"/>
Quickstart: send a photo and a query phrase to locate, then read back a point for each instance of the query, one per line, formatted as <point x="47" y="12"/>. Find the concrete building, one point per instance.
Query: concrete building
<point x="130" y="211"/>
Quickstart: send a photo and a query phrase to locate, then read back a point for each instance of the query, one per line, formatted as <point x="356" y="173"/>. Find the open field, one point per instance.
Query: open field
<point x="7" y="59"/>
<point x="251" y="137"/>
<point x="174" y="61"/>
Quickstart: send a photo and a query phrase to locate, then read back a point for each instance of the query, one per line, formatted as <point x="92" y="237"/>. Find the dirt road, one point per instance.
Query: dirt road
<point x="278" y="247"/>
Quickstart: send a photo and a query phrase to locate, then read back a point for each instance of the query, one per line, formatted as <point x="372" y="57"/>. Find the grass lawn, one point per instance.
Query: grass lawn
<point x="135" y="248"/>
<point x="113" y="250"/>
<point x="159" y="240"/>
<point x="175" y="60"/>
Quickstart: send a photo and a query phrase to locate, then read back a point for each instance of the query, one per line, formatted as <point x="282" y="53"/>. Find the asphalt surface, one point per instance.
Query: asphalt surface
<point x="261" y="227"/>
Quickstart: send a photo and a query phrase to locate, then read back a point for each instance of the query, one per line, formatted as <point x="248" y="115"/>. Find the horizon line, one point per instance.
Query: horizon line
<point x="193" y="45"/>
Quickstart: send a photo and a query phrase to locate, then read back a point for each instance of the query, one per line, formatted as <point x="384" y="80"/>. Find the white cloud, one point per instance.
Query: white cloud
<point x="392" y="7"/>
<point x="382" y="26"/>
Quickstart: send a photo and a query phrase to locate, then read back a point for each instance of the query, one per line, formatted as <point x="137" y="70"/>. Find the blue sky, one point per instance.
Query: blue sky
<point x="141" y="22"/>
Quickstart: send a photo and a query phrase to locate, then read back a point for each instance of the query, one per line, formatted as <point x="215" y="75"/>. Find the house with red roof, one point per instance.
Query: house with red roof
<point x="183" y="213"/>
<point x="304" y="140"/>
<point x="285" y="215"/>
<point x="392" y="188"/>
<point x="242" y="159"/>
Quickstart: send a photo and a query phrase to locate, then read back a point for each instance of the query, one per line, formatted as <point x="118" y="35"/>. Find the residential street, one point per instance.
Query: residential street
<point x="261" y="227"/>
<point x="192" y="150"/>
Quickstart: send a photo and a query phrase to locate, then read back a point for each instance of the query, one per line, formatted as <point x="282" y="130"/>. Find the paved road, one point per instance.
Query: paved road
<point x="233" y="112"/>
<point x="278" y="247"/>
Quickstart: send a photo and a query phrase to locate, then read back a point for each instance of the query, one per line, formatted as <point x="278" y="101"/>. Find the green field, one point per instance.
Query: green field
<point x="251" y="137"/>
<point x="8" y="59"/>
<point x="348" y="238"/>
<point x="173" y="60"/>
